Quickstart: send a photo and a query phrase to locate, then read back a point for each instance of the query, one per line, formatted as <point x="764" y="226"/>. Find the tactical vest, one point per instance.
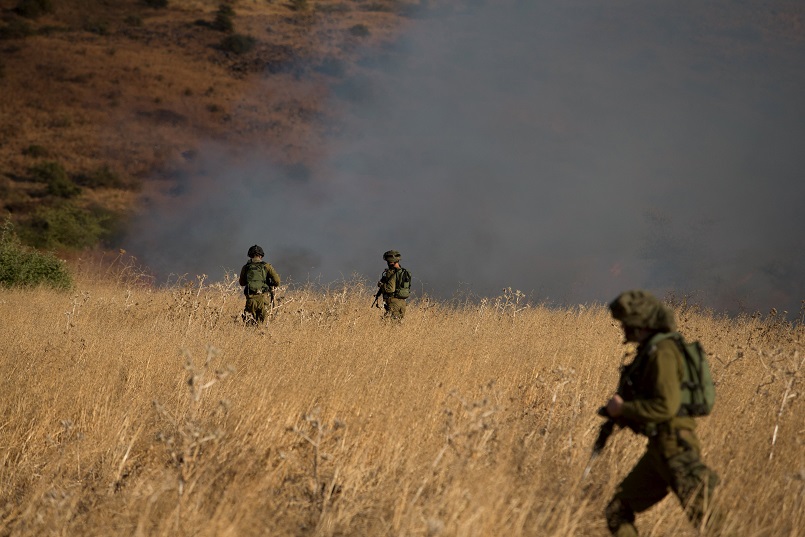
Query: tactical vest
<point x="697" y="390"/>
<point x="402" y="287"/>
<point x="256" y="278"/>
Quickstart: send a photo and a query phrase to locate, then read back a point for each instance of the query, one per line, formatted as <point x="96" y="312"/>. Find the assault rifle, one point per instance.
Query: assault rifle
<point x="379" y="293"/>
<point x="608" y="427"/>
<point x="377" y="297"/>
<point x="604" y="432"/>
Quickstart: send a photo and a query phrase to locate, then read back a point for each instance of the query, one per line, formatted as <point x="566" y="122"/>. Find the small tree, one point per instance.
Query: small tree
<point x="299" y="5"/>
<point x="32" y="9"/>
<point x="223" y="19"/>
<point x="24" y="267"/>
<point x="65" y="225"/>
<point x="238" y="43"/>
<point x="55" y="177"/>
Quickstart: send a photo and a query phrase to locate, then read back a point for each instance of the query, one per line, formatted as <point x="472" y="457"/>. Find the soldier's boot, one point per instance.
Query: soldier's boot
<point x="620" y="519"/>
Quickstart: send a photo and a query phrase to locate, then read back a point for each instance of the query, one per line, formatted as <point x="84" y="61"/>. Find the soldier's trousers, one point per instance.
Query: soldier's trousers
<point x="256" y="307"/>
<point x="395" y="308"/>
<point x="668" y="463"/>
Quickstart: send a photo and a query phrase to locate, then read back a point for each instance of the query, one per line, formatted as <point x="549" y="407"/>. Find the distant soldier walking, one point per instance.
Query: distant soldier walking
<point x="394" y="286"/>
<point x="258" y="279"/>
<point x="650" y="402"/>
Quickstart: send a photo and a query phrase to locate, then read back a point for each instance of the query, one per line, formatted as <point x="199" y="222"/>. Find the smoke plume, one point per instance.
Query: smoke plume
<point x="570" y="150"/>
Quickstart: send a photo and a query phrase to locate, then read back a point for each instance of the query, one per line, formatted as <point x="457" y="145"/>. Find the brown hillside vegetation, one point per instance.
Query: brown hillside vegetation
<point x="153" y="412"/>
<point x="118" y="93"/>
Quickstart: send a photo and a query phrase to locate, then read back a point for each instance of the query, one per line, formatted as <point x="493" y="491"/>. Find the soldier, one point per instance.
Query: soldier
<point x="258" y="278"/>
<point x="394" y="286"/>
<point x="649" y="402"/>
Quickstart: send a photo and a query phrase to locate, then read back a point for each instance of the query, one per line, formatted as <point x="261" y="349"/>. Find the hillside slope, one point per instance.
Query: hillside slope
<point x="105" y="96"/>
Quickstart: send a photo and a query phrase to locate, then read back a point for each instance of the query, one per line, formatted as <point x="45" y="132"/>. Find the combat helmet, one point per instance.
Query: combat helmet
<point x="255" y="251"/>
<point x="641" y="309"/>
<point x="392" y="256"/>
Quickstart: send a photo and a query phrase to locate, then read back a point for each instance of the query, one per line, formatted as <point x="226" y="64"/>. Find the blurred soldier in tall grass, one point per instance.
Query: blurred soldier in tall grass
<point x="650" y="402"/>
<point x="258" y="279"/>
<point x="394" y="286"/>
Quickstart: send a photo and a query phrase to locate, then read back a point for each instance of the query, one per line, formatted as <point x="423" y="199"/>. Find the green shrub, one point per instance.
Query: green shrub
<point x="378" y="7"/>
<point x="100" y="27"/>
<point x="16" y="29"/>
<point x="223" y="19"/>
<point x="103" y="177"/>
<point x="299" y="5"/>
<point x="133" y="20"/>
<point x="32" y="9"/>
<point x="55" y="177"/>
<point x="48" y="172"/>
<point x="51" y="29"/>
<point x="238" y="43"/>
<point x="23" y="267"/>
<point x="333" y="8"/>
<point x="63" y="189"/>
<point x="67" y="226"/>
<point x="35" y="151"/>
<point x="223" y="23"/>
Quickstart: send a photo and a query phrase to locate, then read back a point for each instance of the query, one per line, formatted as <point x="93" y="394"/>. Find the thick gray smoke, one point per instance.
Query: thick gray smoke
<point x="568" y="150"/>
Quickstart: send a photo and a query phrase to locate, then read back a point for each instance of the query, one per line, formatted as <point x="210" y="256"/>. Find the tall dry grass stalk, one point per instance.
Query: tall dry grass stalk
<point x="133" y="411"/>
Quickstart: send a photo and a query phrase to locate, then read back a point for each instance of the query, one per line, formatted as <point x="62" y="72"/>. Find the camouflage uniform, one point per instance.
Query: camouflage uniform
<point x="650" y="388"/>
<point x="256" y="307"/>
<point x="390" y="286"/>
<point x="395" y="307"/>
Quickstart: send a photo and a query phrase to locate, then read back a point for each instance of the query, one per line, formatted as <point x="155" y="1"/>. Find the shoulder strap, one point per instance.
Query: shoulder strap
<point x="656" y="338"/>
<point x="647" y="348"/>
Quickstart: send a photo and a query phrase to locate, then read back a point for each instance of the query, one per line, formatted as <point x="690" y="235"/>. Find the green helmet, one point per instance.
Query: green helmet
<point x="255" y="251"/>
<point x="641" y="309"/>
<point x="392" y="256"/>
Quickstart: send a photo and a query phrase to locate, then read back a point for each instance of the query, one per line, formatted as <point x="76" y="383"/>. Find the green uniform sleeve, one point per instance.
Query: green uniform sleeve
<point x="388" y="282"/>
<point x="662" y="400"/>
<point x="273" y="274"/>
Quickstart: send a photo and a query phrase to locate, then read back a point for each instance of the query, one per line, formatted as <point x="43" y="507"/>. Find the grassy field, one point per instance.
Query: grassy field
<point x="128" y="410"/>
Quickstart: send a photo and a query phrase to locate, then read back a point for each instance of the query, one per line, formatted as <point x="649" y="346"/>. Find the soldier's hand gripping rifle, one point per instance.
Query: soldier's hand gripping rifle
<point x="604" y="432"/>
<point x="608" y="427"/>
<point x="383" y="280"/>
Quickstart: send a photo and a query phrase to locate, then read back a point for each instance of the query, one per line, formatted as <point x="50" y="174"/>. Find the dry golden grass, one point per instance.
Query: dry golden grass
<point x="134" y="411"/>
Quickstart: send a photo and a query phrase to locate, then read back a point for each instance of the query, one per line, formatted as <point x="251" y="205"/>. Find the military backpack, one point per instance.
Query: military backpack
<point x="256" y="278"/>
<point x="402" y="288"/>
<point x="698" y="388"/>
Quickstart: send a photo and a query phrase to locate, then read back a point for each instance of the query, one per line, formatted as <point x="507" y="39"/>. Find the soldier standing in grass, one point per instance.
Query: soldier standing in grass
<point x="394" y="286"/>
<point x="649" y="402"/>
<point x="258" y="279"/>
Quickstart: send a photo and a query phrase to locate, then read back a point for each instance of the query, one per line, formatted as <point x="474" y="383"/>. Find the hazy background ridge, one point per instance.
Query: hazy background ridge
<point x="569" y="151"/>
